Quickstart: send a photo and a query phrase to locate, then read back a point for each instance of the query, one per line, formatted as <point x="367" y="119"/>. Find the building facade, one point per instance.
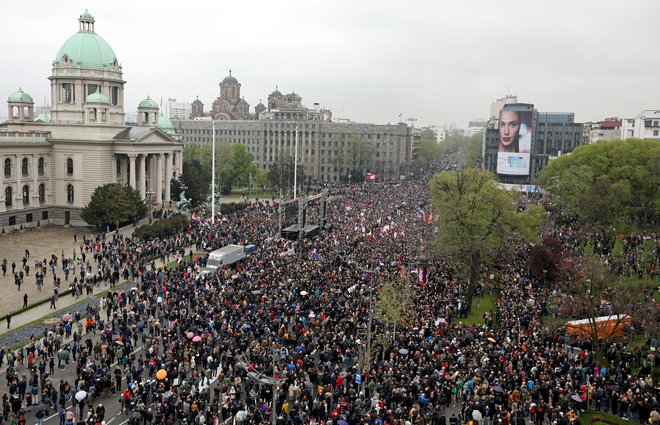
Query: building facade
<point x="644" y="126"/>
<point x="551" y="134"/>
<point x="230" y="105"/>
<point x="53" y="163"/>
<point x="322" y="145"/>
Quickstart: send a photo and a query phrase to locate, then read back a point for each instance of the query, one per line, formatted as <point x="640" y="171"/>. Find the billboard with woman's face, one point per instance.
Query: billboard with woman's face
<point x="515" y="142"/>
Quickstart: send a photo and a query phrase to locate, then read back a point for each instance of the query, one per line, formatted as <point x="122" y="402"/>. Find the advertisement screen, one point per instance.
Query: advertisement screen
<point x="515" y="142"/>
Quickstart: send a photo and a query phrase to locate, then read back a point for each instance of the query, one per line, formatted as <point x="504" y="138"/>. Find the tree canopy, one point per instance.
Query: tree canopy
<point x="472" y="216"/>
<point x="357" y="155"/>
<point x="470" y="146"/>
<point x="233" y="166"/>
<point x="608" y="183"/>
<point x="113" y="204"/>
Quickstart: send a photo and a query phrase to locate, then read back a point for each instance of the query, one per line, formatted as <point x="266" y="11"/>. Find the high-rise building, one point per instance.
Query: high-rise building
<point x="521" y="142"/>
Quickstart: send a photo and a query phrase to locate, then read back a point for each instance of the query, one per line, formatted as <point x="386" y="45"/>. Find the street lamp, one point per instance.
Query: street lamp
<point x="213" y="172"/>
<point x="150" y="193"/>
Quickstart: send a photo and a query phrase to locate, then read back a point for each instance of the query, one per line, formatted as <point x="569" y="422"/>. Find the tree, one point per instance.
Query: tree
<point x="472" y="213"/>
<point x="597" y="293"/>
<point x="609" y="183"/>
<point x="357" y="155"/>
<point x="196" y="185"/>
<point x="394" y="305"/>
<point x="113" y="204"/>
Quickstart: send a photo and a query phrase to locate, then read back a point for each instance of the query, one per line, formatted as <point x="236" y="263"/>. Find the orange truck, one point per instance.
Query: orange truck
<point x="602" y="327"/>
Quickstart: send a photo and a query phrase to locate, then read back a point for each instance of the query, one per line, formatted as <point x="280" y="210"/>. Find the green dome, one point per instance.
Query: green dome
<point x="148" y="103"/>
<point x="165" y="124"/>
<point x="97" y="97"/>
<point x="86" y="49"/>
<point x="20" y="96"/>
<point x="86" y="16"/>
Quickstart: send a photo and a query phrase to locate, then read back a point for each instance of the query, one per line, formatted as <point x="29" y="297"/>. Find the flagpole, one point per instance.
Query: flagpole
<point x="213" y="173"/>
<point x="295" y="166"/>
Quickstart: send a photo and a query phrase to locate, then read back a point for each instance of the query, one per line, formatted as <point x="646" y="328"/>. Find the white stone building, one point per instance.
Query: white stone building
<point x="51" y="165"/>
<point x="644" y="126"/>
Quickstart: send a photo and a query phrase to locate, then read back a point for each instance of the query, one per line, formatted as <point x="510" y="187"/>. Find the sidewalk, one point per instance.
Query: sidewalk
<point x="64" y="301"/>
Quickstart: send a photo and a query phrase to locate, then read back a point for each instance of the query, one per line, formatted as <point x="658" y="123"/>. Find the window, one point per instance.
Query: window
<point x="114" y="95"/>
<point x="655" y="132"/>
<point x="28" y="218"/>
<point x="12" y="220"/>
<point x="69" y="194"/>
<point x="44" y="215"/>
<point x="41" y="166"/>
<point x="24" y="167"/>
<point x="8" y="195"/>
<point x="26" y="195"/>
<point x="69" y="166"/>
<point x="7" y="167"/>
<point x="66" y="93"/>
<point x="90" y="88"/>
<point x="42" y="193"/>
<point x="118" y="166"/>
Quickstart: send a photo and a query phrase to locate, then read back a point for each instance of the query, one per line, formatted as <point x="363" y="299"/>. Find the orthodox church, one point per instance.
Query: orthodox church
<point x="53" y="162"/>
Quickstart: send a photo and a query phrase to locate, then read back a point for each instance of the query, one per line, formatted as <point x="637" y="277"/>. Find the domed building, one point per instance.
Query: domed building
<point x="230" y="105"/>
<point x="52" y="163"/>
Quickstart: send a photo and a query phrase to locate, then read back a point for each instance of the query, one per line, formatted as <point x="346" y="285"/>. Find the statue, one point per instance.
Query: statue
<point x="183" y="204"/>
<point x="217" y="200"/>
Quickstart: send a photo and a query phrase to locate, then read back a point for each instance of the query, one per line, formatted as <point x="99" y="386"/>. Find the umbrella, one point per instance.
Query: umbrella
<point x="197" y="338"/>
<point x="161" y="374"/>
<point x="119" y="342"/>
<point x="256" y="292"/>
<point x="67" y="317"/>
<point x="498" y="389"/>
<point x="167" y="394"/>
<point x="303" y="293"/>
<point x="80" y="395"/>
<point x="576" y="397"/>
<point x="403" y="351"/>
<point x="241" y="415"/>
<point x="613" y="387"/>
<point x="135" y="415"/>
<point x="234" y="276"/>
<point x="476" y="415"/>
<point x="41" y="407"/>
<point x="190" y="335"/>
<point x="491" y="339"/>
<point x="469" y="335"/>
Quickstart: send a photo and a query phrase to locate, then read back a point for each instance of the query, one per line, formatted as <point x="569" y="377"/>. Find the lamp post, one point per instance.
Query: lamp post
<point x="295" y="165"/>
<point x="370" y="318"/>
<point x="150" y="194"/>
<point x="213" y="172"/>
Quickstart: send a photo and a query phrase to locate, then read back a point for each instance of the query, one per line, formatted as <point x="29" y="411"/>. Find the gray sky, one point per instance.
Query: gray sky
<point x="440" y="61"/>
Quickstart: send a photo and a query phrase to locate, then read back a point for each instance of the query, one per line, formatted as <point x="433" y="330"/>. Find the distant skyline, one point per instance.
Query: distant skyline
<point x="438" y="61"/>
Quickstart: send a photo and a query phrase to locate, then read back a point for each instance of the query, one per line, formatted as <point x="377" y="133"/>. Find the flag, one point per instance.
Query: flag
<point x="430" y="219"/>
<point x="370" y="176"/>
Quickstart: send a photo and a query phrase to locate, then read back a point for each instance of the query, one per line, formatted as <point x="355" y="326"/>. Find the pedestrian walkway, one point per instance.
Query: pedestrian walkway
<point x="42" y="243"/>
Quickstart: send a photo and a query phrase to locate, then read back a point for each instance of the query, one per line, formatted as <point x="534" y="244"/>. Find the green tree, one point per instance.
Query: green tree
<point x="472" y="214"/>
<point x="608" y="183"/>
<point x="113" y="204"/>
<point x="357" y="155"/>
<point x="197" y="185"/>
<point x="394" y="306"/>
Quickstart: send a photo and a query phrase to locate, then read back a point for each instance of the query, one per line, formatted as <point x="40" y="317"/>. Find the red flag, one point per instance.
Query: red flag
<point x="370" y="176"/>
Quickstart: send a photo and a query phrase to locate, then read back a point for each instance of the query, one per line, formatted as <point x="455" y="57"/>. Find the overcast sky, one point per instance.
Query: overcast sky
<point x="439" y="61"/>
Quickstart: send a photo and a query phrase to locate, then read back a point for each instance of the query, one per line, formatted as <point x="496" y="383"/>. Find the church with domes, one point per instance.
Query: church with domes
<point x="53" y="162"/>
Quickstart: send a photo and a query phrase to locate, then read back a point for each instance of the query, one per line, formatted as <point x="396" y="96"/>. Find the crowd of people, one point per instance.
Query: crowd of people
<point x="286" y="333"/>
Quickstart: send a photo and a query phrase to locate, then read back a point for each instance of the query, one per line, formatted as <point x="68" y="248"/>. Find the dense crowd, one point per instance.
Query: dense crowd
<point x="298" y="312"/>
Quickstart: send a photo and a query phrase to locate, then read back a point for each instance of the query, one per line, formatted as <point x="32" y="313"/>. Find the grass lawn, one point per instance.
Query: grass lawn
<point x="476" y="316"/>
<point x="587" y="417"/>
<point x="254" y="193"/>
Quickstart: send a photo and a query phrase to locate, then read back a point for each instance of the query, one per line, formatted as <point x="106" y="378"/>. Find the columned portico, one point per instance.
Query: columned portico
<point x="143" y="175"/>
<point x="168" y="177"/>
<point x="159" y="179"/>
<point x="131" y="170"/>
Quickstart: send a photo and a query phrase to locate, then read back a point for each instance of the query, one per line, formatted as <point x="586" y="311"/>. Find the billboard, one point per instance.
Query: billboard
<point x="515" y="142"/>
